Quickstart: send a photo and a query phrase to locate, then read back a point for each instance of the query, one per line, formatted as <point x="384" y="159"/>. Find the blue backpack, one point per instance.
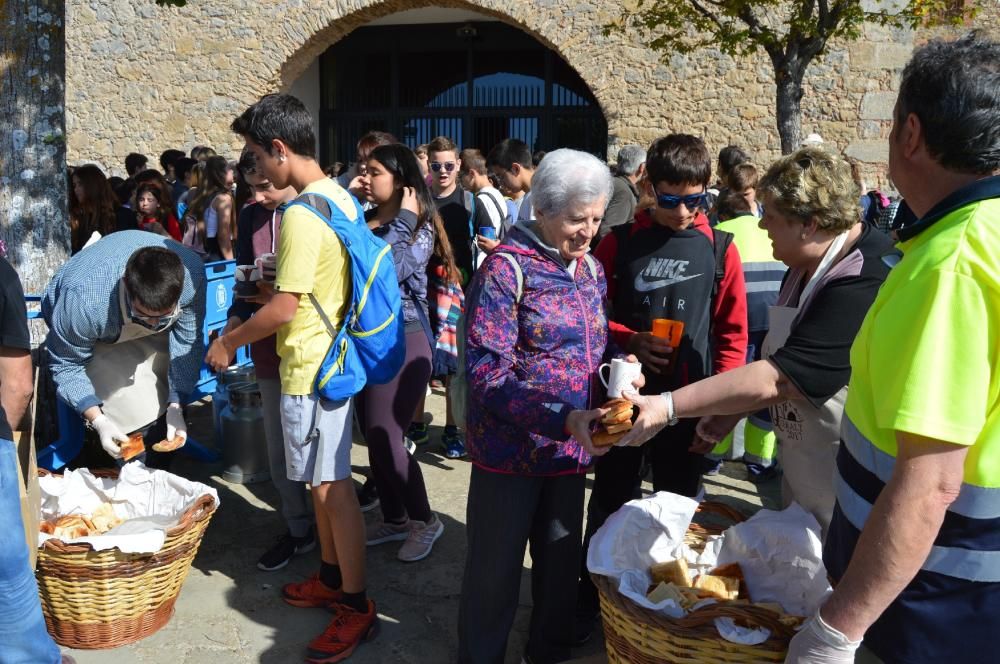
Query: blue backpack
<point x="370" y="346"/>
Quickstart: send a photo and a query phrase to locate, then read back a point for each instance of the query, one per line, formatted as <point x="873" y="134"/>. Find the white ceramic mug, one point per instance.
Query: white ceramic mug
<point x="268" y="265"/>
<point x="621" y="373"/>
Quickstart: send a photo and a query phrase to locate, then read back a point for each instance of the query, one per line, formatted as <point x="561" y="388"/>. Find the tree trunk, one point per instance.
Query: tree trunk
<point x="33" y="154"/>
<point x="789" y="70"/>
<point x="788" y="109"/>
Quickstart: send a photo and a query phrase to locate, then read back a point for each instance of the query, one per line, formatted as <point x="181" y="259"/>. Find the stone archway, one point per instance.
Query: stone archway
<point x="435" y="71"/>
<point x="578" y="52"/>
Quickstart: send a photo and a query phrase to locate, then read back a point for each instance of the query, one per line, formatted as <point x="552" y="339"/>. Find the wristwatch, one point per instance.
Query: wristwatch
<point x="671" y="413"/>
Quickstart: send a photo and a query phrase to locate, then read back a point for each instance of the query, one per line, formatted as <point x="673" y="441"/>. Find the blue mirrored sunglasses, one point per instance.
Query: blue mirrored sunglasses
<point x="448" y="166"/>
<point x="691" y="202"/>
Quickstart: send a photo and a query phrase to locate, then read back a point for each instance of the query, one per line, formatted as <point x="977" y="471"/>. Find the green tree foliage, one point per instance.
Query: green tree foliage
<point x="792" y="33"/>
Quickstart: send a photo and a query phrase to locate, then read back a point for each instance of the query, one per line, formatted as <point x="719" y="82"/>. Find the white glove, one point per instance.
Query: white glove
<point x="176" y="426"/>
<point x="818" y="643"/>
<point x="111" y="435"/>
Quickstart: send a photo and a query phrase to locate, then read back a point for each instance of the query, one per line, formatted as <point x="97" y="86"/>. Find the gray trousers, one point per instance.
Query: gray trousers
<point x="505" y="513"/>
<point x="296" y="506"/>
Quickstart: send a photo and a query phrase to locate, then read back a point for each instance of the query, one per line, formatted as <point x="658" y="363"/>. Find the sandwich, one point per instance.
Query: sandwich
<point x="615" y="423"/>
<point x="133" y="447"/>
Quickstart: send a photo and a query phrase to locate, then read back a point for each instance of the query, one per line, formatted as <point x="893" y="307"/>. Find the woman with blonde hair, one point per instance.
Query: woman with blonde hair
<point x="835" y="267"/>
<point x="210" y="215"/>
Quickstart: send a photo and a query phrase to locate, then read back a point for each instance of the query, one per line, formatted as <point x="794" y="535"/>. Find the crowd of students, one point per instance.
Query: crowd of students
<point x="444" y="212"/>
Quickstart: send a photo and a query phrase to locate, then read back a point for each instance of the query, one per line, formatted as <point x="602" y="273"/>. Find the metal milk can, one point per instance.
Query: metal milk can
<point x="244" y="447"/>
<point x="235" y="374"/>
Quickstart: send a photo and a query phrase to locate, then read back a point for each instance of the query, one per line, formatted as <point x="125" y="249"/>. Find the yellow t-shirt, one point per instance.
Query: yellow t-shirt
<point x="311" y="259"/>
<point x="927" y="357"/>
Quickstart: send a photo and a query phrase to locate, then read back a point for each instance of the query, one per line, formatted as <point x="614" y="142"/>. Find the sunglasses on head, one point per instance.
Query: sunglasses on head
<point x="448" y="166"/>
<point x="668" y="202"/>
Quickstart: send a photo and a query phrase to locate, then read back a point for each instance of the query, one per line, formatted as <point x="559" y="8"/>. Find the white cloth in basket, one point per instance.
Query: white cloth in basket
<point x="151" y="502"/>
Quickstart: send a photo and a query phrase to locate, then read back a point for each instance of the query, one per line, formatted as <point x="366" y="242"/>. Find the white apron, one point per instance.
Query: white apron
<point x="130" y="374"/>
<point x="808" y="437"/>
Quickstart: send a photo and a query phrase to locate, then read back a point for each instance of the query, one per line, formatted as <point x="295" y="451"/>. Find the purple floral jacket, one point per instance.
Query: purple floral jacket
<point x="530" y="362"/>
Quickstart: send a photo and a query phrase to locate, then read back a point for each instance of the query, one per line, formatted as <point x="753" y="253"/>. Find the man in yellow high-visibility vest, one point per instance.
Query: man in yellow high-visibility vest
<point x="914" y="544"/>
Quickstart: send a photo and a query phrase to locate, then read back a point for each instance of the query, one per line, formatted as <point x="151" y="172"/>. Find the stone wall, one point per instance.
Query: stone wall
<point x="145" y="78"/>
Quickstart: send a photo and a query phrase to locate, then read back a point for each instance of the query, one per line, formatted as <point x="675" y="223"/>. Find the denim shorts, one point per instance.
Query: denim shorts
<point x="318" y="435"/>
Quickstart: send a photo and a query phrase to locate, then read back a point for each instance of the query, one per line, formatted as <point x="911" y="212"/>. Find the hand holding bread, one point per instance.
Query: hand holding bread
<point x="653" y="416"/>
<point x="579" y="424"/>
<point x="170" y="444"/>
<point x="615" y="423"/>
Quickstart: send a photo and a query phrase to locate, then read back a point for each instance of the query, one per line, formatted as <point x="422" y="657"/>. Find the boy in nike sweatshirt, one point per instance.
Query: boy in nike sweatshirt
<point x="664" y="266"/>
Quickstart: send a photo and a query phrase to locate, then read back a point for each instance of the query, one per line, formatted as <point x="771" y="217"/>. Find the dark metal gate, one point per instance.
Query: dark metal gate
<point x="476" y="83"/>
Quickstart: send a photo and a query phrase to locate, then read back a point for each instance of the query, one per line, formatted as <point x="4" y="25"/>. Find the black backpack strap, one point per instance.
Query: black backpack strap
<point x="720" y="242"/>
<point x="621" y="233"/>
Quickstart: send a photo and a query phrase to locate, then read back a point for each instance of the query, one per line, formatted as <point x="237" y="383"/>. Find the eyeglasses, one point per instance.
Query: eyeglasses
<point x="448" y="166"/>
<point x="161" y="322"/>
<point x="668" y="202"/>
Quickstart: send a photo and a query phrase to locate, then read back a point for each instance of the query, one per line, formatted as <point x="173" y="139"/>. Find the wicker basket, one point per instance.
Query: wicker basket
<point x="635" y="635"/>
<point x="104" y="599"/>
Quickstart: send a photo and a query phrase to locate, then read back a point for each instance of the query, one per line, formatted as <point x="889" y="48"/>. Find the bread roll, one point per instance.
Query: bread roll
<point x="619" y="428"/>
<point x="104" y="519"/>
<point x="723" y="587"/>
<point x="732" y="569"/>
<point x="69" y="520"/>
<point x="665" y="591"/>
<point x="621" y="411"/>
<point x="605" y="439"/>
<point x="672" y="571"/>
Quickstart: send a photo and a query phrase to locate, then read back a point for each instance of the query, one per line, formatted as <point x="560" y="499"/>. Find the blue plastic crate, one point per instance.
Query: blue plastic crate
<point x="219" y="290"/>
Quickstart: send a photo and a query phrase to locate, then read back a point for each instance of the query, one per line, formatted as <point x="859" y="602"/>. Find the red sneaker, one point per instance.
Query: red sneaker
<point x="310" y="594"/>
<point x="348" y="629"/>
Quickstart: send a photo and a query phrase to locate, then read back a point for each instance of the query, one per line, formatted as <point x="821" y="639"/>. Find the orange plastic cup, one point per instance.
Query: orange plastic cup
<point x="670" y="330"/>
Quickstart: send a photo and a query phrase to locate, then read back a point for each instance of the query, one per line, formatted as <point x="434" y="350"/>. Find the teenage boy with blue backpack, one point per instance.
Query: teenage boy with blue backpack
<point x="312" y="291"/>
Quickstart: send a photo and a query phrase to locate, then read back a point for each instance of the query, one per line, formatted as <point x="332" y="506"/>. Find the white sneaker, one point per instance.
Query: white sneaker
<point x="421" y="539"/>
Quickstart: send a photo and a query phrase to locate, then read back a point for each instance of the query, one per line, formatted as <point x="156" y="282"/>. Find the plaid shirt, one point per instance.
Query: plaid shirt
<point x="81" y="308"/>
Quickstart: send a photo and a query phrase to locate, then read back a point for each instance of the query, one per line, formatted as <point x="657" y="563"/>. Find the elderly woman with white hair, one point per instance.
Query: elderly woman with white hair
<point x="536" y="334"/>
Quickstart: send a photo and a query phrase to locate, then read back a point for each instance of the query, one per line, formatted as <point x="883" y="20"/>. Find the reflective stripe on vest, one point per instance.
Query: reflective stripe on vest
<point x="974" y="504"/>
<point x="764" y="276"/>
